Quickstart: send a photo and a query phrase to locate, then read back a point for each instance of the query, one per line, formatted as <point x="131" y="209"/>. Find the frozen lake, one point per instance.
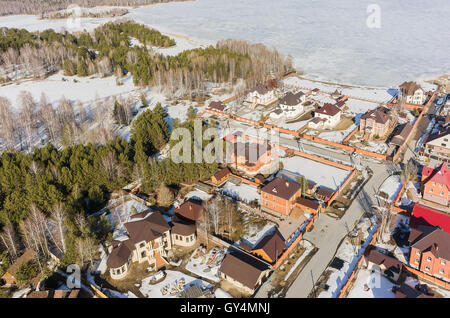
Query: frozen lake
<point x="330" y="40"/>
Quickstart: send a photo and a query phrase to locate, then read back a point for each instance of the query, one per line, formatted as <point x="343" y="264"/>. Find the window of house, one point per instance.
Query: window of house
<point x="442" y="193"/>
<point x="427" y="268"/>
<point x="428" y="259"/>
<point x="443" y="262"/>
<point x="418" y="252"/>
<point x="441" y="271"/>
<point x="187" y="239"/>
<point x="143" y="254"/>
<point x="416" y="261"/>
<point x="142" y="244"/>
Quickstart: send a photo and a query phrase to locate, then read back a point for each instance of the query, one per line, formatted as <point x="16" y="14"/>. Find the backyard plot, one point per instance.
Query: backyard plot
<point x="320" y="173"/>
<point x="242" y="192"/>
<point x="391" y="187"/>
<point x="171" y="286"/>
<point x="206" y="265"/>
<point x="371" y="285"/>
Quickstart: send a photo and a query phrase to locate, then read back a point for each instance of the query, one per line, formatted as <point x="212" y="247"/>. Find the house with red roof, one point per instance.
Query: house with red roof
<point x="436" y="184"/>
<point x="424" y="215"/>
<point x="280" y="196"/>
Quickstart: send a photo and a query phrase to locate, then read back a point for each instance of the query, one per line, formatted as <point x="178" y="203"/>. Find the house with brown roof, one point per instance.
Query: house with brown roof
<point x="244" y="271"/>
<point x="384" y="264"/>
<point x="148" y="240"/>
<point x="59" y="293"/>
<point x="217" y="105"/>
<point x="250" y="157"/>
<point x="261" y="95"/>
<point x="270" y="247"/>
<point x="437" y="145"/>
<point x="183" y="232"/>
<point x="290" y="106"/>
<point x="375" y="122"/>
<point x="412" y="93"/>
<point x="8" y="276"/>
<point x="308" y="205"/>
<point x="327" y="116"/>
<point x="436" y="184"/>
<point x="221" y="176"/>
<point x="430" y="251"/>
<point x="400" y="134"/>
<point x="190" y="210"/>
<point x="324" y="193"/>
<point x="279" y="196"/>
<point x="407" y="291"/>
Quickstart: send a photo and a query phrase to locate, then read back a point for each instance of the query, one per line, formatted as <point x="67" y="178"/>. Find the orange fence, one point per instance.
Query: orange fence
<point x="350" y="135"/>
<point x="427" y="277"/>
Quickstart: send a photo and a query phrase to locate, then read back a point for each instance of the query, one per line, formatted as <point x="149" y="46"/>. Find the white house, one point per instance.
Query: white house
<point x="261" y="95"/>
<point x="290" y="106"/>
<point x="327" y="116"/>
<point x="413" y="93"/>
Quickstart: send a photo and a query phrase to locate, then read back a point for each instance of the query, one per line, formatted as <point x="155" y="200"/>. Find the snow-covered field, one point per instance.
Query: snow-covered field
<point x="154" y="291"/>
<point x="320" y="173"/>
<point x="335" y="43"/>
<point x="242" y="192"/>
<point x="198" y="195"/>
<point x="391" y="187"/>
<point x="380" y="286"/>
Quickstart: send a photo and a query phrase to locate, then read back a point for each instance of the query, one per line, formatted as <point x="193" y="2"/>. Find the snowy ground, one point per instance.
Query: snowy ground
<point x="242" y="192"/>
<point x="154" y="291"/>
<point x="320" y="173"/>
<point x="199" y="195"/>
<point x="308" y="248"/>
<point x="380" y="286"/>
<point x="220" y="293"/>
<point x="391" y="187"/>
<point x="254" y="234"/>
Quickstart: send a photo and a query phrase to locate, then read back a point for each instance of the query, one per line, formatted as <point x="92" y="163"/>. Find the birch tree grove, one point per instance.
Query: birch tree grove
<point x="58" y="228"/>
<point x="9" y="239"/>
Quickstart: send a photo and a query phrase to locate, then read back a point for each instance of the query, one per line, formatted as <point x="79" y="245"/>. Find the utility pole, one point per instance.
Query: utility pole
<point x="314" y="286"/>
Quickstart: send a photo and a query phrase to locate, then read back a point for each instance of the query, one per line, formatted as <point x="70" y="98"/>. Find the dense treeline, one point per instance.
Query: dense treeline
<point x="8" y="7"/>
<point x="45" y="196"/>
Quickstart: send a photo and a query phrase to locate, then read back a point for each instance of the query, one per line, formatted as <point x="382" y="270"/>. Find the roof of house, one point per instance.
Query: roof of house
<point x="380" y="115"/>
<point x="439" y="175"/>
<point x="272" y="244"/>
<point x="260" y="178"/>
<point x="292" y="99"/>
<point x="437" y="242"/>
<point x="24" y="258"/>
<point x="325" y="192"/>
<point x="336" y="92"/>
<point x="422" y="215"/>
<point x="190" y="210"/>
<point x="59" y="293"/>
<point x="317" y="120"/>
<point x="147" y="229"/>
<point x="401" y="132"/>
<point x="182" y="227"/>
<point x="195" y="291"/>
<point x="222" y="173"/>
<point x="261" y="89"/>
<point x="217" y="105"/>
<point x="406" y="291"/>
<point x="329" y="110"/>
<point x="251" y="151"/>
<point x="308" y="203"/>
<point x="409" y="88"/>
<point x="120" y="254"/>
<point x="243" y="268"/>
<point x="438" y="134"/>
<point x="381" y="259"/>
<point x="282" y="188"/>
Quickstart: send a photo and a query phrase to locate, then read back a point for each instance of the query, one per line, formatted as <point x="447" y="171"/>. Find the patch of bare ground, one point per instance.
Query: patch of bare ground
<point x="321" y="284"/>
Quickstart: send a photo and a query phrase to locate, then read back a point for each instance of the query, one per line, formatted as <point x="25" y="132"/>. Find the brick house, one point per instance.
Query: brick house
<point x="375" y="122"/>
<point x="279" y="196"/>
<point x="436" y="184"/>
<point x="430" y="251"/>
<point x="307" y="205"/>
<point x="250" y="156"/>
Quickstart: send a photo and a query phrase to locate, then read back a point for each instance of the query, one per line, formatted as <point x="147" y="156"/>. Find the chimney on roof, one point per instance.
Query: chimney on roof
<point x="190" y="206"/>
<point x="287" y="184"/>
